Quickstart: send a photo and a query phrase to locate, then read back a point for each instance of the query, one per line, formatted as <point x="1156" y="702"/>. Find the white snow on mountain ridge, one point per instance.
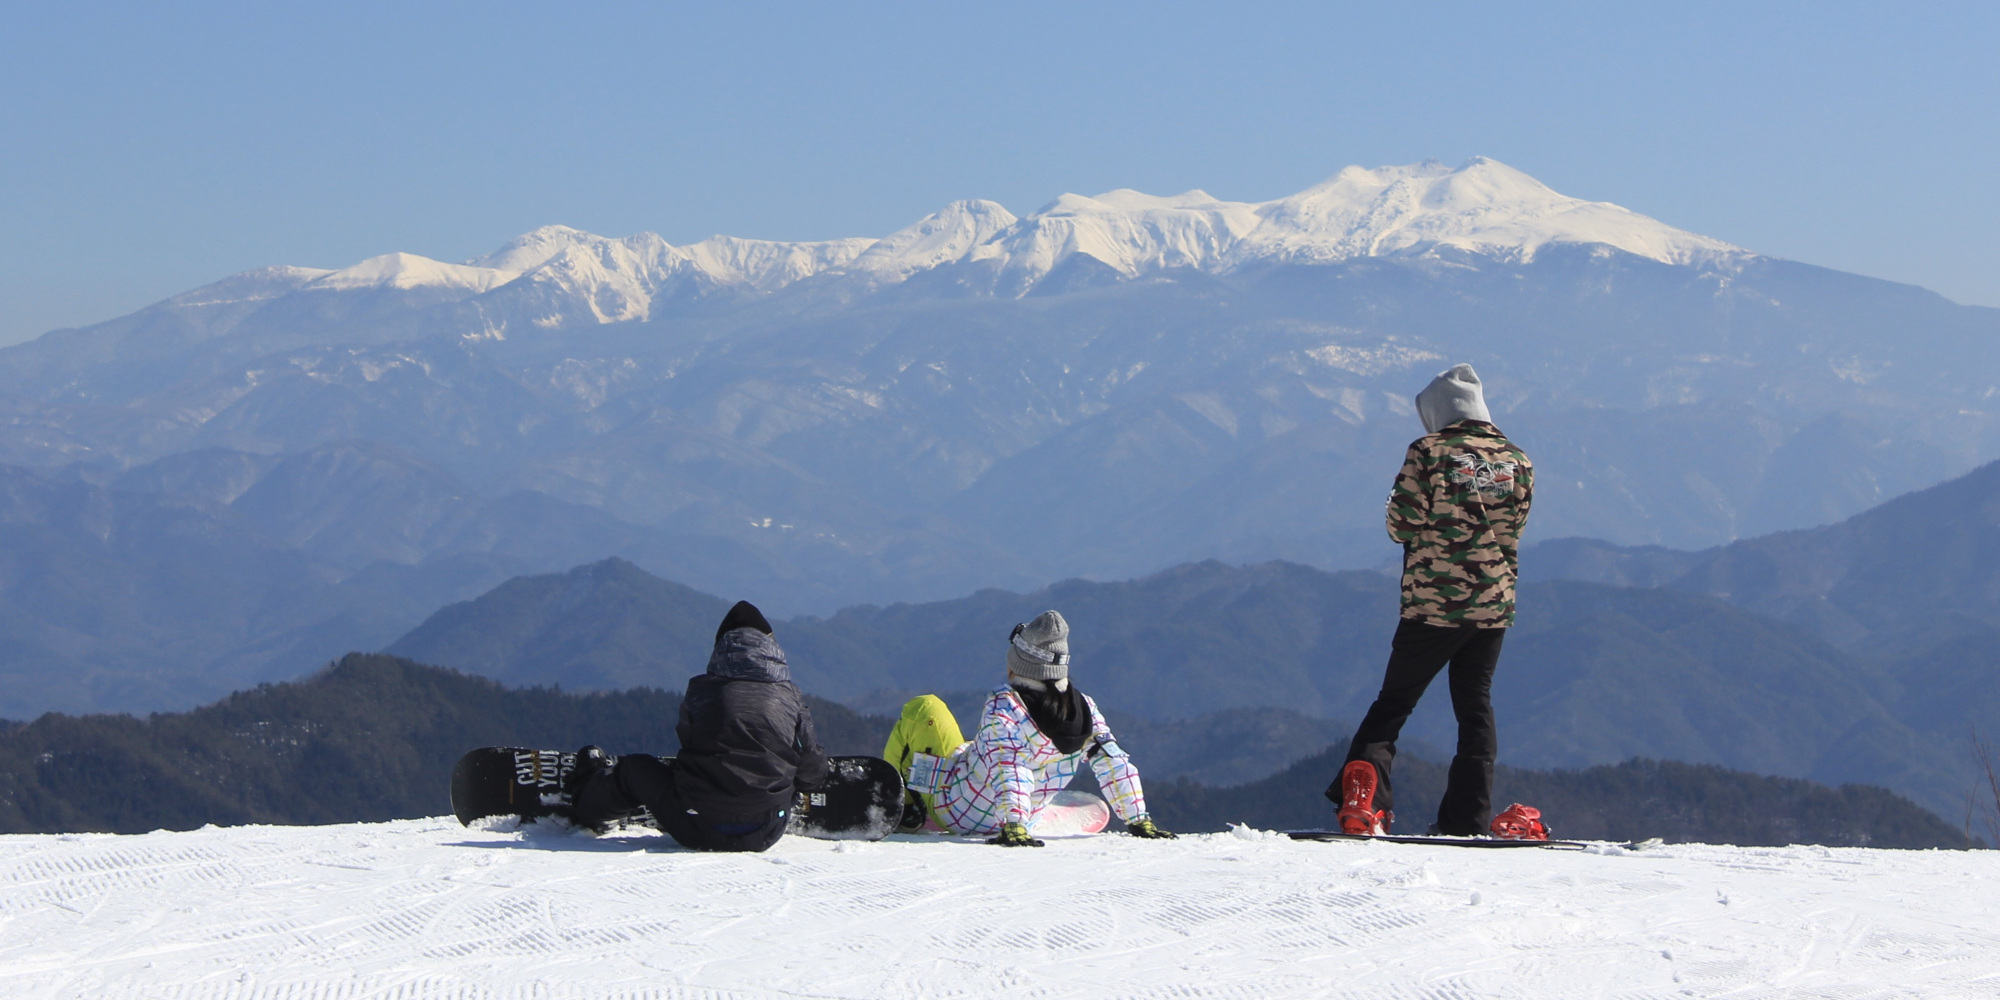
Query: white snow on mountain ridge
<point x="729" y="260"/>
<point x="1483" y="207"/>
<point x="1131" y="231"/>
<point x="407" y="271"/>
<point x="768" y="266"/>
<point x="557" y="275"/>
<point x="567" y="274"/>
<point x="947" y="236"/>
<point x="260" y="285"/>
<point x="532" y="249"/>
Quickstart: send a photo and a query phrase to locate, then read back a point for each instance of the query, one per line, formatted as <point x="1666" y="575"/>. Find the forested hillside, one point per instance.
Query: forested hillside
<point x="1592" y="674"/>
<point x="374" y="737"/>
<point x="369" y="738"/>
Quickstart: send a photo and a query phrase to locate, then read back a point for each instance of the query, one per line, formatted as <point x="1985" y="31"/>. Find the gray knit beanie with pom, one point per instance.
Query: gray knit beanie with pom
<point x="1039" y="650"/>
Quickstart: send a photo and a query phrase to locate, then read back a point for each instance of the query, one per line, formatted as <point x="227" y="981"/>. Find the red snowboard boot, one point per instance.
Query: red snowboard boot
<point x="1357" y="801"/>
<point x="1520" y="822"/>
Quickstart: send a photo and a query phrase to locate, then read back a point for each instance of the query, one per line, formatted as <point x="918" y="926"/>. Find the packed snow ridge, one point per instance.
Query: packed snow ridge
<point x="426" y="908"/>
<point x="557" y="276"/>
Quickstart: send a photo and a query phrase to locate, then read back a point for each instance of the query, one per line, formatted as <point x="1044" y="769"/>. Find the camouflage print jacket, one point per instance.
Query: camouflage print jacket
<point x="1458" y="509"/>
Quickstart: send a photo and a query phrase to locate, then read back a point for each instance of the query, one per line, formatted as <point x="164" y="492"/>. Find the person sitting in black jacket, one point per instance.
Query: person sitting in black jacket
<point x="747" y="749"/>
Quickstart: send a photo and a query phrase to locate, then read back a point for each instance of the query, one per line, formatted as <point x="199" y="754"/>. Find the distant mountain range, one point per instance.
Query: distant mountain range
<point x="1862" y="651"/>
<point x="1913" y="585"/>
<point x="1594" y="674"/>
<point x="558" y="278"/>
<point x="1104" y="387"/>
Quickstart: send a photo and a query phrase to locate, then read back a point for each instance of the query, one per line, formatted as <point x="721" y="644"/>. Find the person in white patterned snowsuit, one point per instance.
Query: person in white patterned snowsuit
<point x="1035" y="733"/>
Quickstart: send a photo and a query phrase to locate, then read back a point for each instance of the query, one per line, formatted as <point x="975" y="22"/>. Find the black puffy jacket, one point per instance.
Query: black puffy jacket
<point x="747" y="742"/>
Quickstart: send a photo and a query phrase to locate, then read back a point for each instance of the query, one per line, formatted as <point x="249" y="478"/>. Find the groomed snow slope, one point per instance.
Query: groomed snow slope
<point x="425" y="908"/>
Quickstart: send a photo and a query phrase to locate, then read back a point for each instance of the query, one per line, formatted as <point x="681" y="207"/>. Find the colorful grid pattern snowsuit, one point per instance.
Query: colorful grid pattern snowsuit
<point x="1009" y="770"/>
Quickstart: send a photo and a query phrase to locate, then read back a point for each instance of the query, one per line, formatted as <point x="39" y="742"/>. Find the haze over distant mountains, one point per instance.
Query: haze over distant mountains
<point x="268" y="471"/>
<point x="1593" y="674"/>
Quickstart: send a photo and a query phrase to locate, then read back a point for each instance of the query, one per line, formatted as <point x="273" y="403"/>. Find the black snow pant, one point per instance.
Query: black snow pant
<point x="1417" y="654"/>
<point x="644" y="780"/>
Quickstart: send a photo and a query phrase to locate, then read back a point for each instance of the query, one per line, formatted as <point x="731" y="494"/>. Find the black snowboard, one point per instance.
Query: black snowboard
<point x="862" y="799"/>
<point x="1565" y="845"/>
<point x="510" y="781"/>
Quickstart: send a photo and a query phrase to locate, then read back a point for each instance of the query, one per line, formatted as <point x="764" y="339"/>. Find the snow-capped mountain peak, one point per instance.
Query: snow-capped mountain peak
<point x="1484" y="207"/>
<point x="946" y="236"/>
<point x="1132" y="231"/>
<point x="409" y="271"/>
<point x="532" y="249"/>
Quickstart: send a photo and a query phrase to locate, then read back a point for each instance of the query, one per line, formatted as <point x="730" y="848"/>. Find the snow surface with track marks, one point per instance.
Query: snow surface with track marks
<point x="425" y="908"/>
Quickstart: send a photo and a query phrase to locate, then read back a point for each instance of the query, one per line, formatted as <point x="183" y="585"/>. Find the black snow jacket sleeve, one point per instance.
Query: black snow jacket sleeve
<point x="747" y="741"/>
<point x="812" y="759"/>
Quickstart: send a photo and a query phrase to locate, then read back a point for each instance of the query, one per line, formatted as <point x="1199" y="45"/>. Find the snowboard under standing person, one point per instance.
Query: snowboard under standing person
<point x="747" y="750"/>
<point x="1036" y="732"/>
<point x="1457" y="509"/>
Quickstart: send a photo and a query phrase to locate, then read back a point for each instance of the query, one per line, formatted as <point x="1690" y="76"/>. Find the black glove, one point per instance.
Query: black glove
<point x="596" y="805"/>
<point x="914" y="815"/>
<point x="1015" y="835"/>
<point x="589" y="761"/>
<point x="1143" y="827"/>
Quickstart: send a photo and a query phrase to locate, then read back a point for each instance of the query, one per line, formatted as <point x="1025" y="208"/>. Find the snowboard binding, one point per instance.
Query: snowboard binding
<point x="1519" y="822"/>
<point x="1358" y="815"/>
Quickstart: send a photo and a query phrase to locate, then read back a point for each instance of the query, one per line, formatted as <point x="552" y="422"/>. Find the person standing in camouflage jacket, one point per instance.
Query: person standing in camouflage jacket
<point x="1457" y="509"/>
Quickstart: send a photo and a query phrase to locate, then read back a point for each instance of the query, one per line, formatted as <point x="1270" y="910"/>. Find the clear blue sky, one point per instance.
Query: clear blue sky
<point x="144" y="151"/>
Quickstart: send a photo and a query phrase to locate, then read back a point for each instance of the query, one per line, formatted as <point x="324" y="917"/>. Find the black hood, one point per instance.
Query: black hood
<point x="743" y="615"/>
<point x="748" y="654"/>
